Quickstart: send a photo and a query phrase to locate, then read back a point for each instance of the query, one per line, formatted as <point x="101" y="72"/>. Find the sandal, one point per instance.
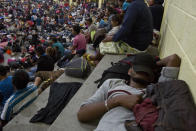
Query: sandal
<point x="87" y="57"/>
<point x="92" y="63"/>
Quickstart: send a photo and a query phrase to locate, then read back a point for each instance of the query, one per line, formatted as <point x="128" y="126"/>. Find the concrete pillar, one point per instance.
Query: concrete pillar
<point x="70" y="2"/>
<point x="100" y="3"/>
<point x="178" y="31"/>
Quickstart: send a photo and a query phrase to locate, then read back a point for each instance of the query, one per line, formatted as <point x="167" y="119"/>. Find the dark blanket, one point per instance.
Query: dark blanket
<point x="177" y="108"/>
<point x="60" y="95"/>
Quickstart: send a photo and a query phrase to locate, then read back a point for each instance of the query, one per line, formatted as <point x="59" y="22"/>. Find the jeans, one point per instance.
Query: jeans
<point x="67" y="52"/>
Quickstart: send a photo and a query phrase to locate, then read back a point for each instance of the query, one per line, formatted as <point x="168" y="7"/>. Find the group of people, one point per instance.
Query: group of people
<point x="37" y="34"/>
<point x="45" y="31"/>
<point x="133" y="23"/>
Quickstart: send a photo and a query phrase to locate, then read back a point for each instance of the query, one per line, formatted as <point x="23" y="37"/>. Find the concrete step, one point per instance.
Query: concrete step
<point x="21" y="121"/>
<point x="67" y="120"/>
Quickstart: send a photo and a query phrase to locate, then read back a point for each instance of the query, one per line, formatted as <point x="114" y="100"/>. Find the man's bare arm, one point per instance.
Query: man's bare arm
<point x="94" y="111"/>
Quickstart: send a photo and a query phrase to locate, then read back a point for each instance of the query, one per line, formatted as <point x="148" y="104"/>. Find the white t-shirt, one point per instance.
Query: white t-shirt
<point x="114" y="119"/>
<point x="113" y="31"/>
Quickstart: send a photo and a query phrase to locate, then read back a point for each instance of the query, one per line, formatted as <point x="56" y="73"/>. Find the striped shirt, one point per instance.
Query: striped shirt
<point x="18" y="101"/>
<point x="114" y="119"/>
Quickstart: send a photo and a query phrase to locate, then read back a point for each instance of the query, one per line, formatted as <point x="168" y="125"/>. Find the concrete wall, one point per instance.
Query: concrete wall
<point x="178" y="35"/>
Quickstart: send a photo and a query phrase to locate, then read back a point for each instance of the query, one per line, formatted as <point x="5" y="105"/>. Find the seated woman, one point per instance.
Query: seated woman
<point x="50" y="51"/>
<point x="6" y="88"/>
<point x="101" y="22"/>
<point x="91" y="27"/>
<point x="45" y="62"/>
<point x="116" y="21"/>
<point x="57" y="44"/>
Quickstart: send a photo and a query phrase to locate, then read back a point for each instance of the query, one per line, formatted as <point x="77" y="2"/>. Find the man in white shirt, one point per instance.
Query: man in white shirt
<point x="114" y="100"/>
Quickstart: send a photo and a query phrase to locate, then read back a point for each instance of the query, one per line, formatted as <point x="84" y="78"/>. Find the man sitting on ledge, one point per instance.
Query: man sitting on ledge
<point x="23" y="96"/>
<point x="114" y="100"/>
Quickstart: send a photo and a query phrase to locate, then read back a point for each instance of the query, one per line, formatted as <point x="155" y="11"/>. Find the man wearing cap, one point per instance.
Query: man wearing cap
<point x="114" y="100"/>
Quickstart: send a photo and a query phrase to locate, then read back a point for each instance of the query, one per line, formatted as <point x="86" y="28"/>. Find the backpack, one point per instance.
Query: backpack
<point x="78" y="67"/>
<point x="118" y="70"/>
<point x="64" y="60"/>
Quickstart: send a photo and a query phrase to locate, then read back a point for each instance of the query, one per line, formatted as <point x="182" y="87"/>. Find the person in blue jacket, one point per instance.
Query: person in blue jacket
<point x="126" y="5"/>
<point x="137" y="27"/>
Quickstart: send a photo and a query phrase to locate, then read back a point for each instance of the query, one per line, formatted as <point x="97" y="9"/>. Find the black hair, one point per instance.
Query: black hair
<point x="117" y="18"/>
<point x="54" y="39"/>
<point x="113" y="4"/>
<point x="89" y="20"/>
<point x="4" y="70"/>
<point x="121" y="0"/>
<point x="40" y="50"/>
<point x="160" y="2"/>
<point x="110" y="10"/>
<point x="20" y="79"/>
<point x="76" y="28"/>
<point x="140" y="81"/>
<point x="88" y="15"/>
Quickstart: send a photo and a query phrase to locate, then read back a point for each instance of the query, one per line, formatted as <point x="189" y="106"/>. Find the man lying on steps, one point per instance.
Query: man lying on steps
<point x="115" y="99"/>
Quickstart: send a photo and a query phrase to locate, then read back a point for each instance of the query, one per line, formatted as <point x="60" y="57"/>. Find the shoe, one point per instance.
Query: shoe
<point x="92" y="63"/>
<point x="45" y="84"/>
<point x="87" y="56"/>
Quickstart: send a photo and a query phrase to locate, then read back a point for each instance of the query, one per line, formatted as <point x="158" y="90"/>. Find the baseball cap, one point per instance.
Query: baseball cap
<point x="144" y="62"/>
